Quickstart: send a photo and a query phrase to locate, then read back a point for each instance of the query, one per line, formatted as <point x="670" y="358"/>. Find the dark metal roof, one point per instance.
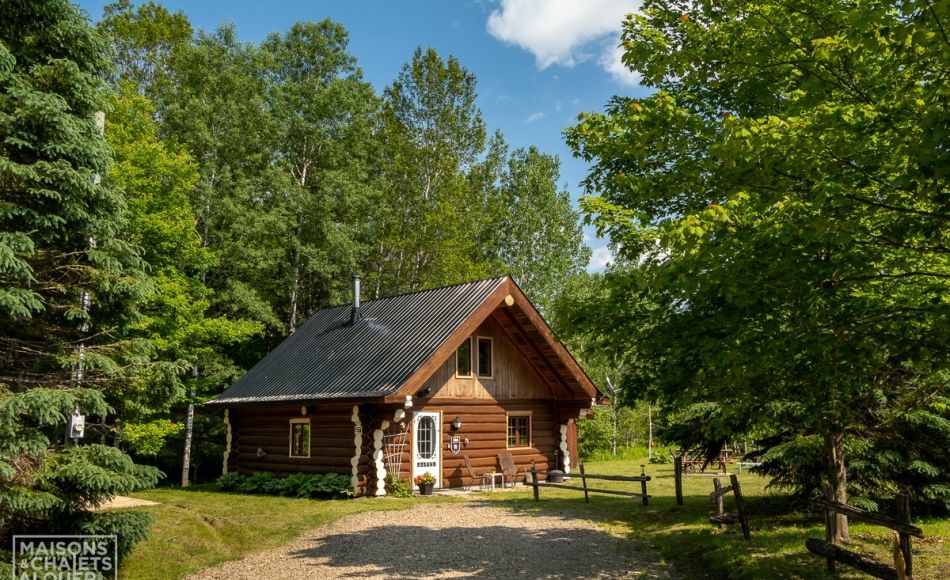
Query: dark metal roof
<point x="328" y="357"/>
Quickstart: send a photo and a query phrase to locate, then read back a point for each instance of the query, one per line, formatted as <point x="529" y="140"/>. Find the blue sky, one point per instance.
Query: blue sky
<point x="538" y="62"/>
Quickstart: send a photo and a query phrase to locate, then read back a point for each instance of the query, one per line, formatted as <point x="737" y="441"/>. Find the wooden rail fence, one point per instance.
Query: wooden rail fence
<point x="903" y="564"/>
<point x="725" y="518"/>
<point x="643" y="478"/>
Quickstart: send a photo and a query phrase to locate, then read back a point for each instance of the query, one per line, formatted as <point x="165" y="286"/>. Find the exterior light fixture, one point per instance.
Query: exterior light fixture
<point x="457" y="424"/>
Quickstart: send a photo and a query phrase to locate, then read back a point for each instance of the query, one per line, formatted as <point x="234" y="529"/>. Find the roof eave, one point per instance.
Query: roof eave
<point x="300" y="398"/>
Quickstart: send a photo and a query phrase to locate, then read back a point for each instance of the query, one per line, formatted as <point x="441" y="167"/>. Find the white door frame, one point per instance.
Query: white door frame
<point x="436" y="469"/>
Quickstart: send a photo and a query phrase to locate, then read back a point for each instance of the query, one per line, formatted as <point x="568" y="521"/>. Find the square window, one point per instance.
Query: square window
<point x="300" y="438"/>
<point x="463" y="359"/>
<point x="484" y="357"/>
<point x="519" y="430"/>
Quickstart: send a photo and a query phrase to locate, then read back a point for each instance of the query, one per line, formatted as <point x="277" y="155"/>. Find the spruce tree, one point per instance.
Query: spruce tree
<point x="69" y="282"/>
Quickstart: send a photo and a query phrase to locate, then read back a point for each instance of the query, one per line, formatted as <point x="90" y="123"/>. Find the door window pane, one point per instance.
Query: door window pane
<point x="425" y="438"/>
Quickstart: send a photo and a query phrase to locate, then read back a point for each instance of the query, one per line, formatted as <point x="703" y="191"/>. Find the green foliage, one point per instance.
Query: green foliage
<point x="396" y="487"/>
<point x="52" y="205"/>
<point x="228" y="481"/>
<point x="317" y="485"/>
<point x="157" y="178"/>
<point x="147" y="439"/>
<point x="260" y="482"/>
<point x="70" y="279"/>
<point x="300" y="485"/>
<point x="146" y="39"/>
<point x="779" y="206"/>
<point x="130" y="527"/>
<point x="540" y="238"/>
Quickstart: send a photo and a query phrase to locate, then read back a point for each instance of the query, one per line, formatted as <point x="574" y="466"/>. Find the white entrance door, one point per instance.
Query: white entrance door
<point x="426" y="445"/>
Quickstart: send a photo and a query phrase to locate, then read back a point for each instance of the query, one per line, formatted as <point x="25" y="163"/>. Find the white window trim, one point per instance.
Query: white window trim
<point x="491" y="342"/>
<point x="472" y="345"/>
<point x="527" y="414"/>
<point x="290" y="437"/>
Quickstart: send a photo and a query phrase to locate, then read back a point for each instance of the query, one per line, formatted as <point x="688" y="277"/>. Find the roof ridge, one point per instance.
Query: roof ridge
<point x="404" y="294"/>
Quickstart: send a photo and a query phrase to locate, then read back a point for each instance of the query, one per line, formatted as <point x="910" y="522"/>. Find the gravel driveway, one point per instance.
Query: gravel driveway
<point x="461" y="540"/>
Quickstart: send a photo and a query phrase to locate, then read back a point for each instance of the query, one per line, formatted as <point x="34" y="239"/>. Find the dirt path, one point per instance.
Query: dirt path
<point x="468" y="540"/>
<point x="120" y="502"/>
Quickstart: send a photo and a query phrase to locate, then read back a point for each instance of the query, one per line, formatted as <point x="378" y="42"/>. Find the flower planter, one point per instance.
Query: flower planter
<point x="426" y="488"/>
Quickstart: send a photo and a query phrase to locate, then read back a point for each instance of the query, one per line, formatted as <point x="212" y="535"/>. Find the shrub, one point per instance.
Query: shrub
<point x="302" y="485"/>
<point x="229" y="481"/>
<point x="396" y="487"/>
<point x="129" y="527"/>
<point x="329" y="485"/>
<point x="260" y="482"/>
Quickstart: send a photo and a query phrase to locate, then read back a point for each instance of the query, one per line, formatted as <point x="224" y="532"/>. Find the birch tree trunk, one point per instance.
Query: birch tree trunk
<point x="189" y="428"/>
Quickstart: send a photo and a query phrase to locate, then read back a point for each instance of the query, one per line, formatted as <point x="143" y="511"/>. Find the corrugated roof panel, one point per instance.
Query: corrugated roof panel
<point x="328" y="357"/>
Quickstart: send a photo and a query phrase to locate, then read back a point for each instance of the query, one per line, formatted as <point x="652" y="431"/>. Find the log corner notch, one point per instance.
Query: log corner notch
<point x="227" y="441"/>
<point x="358" y="449"/>
<point x="903" y="563"/>
<point x="379" y="465"/>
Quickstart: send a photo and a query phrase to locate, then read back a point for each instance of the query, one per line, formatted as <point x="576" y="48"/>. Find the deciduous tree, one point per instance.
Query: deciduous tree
<point x="784" y="196"/>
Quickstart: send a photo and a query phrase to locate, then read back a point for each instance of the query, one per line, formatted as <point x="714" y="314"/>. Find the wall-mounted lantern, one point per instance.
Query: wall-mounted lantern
<point x="457" y="423"/>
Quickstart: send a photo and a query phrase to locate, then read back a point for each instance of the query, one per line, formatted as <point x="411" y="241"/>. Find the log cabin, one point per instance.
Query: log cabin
<point x="411" y="384"/>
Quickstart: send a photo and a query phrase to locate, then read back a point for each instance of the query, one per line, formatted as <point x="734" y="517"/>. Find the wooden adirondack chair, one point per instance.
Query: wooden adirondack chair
<point x="507" y="463"/>
<point x="482" y="478"/>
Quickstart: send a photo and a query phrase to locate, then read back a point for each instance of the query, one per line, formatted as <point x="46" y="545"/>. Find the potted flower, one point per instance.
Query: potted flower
<point x="426" y="482"/>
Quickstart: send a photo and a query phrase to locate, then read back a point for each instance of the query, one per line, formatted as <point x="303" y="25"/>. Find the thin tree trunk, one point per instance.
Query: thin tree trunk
<point x="838" y="479"/>
<point x="295" y="285"/>
<point x="189" y="429"/>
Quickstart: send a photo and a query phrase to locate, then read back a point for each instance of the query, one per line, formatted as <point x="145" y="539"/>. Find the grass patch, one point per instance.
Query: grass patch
<point x="684" y="537"/>
<point x="199" y="527"/>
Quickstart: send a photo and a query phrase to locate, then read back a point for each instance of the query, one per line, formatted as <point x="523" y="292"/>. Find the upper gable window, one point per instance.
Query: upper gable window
<point x="485" y="357"/>
<point x="463" y="359"/>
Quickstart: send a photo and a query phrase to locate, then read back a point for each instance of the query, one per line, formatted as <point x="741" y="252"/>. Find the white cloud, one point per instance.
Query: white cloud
<point x="558" y="31"/>
<point x="600" y="258"/>
<point x="535" y="117"/>
<point x="610" y="60"/>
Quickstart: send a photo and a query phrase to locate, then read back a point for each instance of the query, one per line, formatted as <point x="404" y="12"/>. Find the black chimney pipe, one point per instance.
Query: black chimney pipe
<point x="355" y="316"/>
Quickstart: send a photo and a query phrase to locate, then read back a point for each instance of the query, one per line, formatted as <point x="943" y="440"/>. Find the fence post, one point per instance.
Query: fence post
<point x="643" y="486"/>
<point x="678" y="477"/>
<point x="903" y="516"/>
<point x="719" y="506"/>
<point x="534" y="480"/>
<point x="740" y="506"/>
<point x="830" y="524"/>
<point x="584" y="482"/>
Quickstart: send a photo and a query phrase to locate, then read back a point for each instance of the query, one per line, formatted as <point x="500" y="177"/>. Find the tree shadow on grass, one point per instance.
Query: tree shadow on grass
<point x="684" y="536"/>
<point x="474" y="552"/>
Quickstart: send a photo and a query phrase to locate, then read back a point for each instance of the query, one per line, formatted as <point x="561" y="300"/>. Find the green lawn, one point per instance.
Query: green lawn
<point x="198" y="528"/>
<point x="684" y="537"/>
